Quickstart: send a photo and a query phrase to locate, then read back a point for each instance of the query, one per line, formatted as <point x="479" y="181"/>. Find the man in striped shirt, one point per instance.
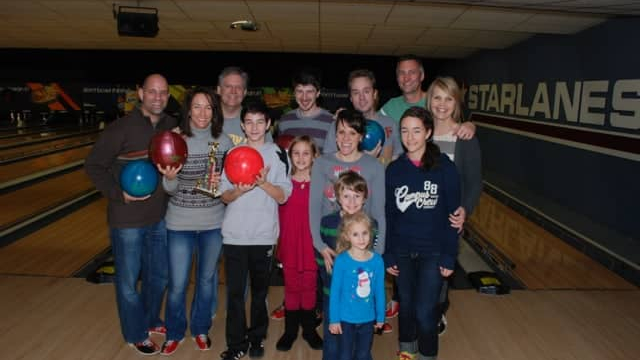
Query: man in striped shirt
<point x="308" y="118"/>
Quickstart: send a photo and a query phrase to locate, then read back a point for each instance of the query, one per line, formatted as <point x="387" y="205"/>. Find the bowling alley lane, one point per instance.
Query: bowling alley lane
<point x="16" y="171"/>
<point x="61" y="248"/>
<point x="17" y="150"/>
<point x="28" y="202"/>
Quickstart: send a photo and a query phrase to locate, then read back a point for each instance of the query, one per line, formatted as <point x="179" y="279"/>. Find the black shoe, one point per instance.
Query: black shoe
<point x="442" y="325"/>
<point x="256" y="349"/>
<point x="291" y="325"/>
<point x="286" y="342"/>
<point x="309" y="329"/>
<point x="231" y="354"/>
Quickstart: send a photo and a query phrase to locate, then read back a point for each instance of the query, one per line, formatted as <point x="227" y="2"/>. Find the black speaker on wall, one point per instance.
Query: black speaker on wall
<point x="137" y="21"/>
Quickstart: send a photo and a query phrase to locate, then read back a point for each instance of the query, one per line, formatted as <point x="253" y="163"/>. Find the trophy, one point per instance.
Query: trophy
<point x="205" y="184"/>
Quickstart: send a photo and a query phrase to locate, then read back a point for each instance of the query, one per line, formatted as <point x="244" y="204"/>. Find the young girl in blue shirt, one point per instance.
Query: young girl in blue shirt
<point x="357" y="299"/>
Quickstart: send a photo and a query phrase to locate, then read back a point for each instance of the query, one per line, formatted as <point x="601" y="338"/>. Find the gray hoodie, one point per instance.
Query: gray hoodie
<point x="252" y="218"/>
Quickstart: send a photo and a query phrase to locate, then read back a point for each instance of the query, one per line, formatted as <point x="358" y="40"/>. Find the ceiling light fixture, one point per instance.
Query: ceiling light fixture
<point x="246" y="25"/>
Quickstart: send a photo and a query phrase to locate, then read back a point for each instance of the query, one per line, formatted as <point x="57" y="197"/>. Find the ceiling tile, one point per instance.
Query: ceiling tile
<point x="398" y="35"/>
<point x="452" y="52"/>
<point x="494" y="39"/>
<point x="284" y="11"/>
<point x="424" y="16"/>
<point x="347" y="31"/>
<point x="440" y="36"/>
<point x="558" y="24"/>
<point x="349" y="14"/>
<point x="490" y="19"/>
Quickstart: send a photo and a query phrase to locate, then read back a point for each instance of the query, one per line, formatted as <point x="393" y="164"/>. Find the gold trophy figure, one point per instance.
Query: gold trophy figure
<point x="206" y="184"/>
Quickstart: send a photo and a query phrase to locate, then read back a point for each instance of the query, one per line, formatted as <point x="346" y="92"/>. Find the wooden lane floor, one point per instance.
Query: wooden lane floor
<point x="61" y="248"/>
<point x="42" y="164"/>
<point x="35" y="134"/>
<point x="542" y="261"/>
<point x="24" y="203"/>
<point x="57" y="318"/>
<point x="46" y="147"/>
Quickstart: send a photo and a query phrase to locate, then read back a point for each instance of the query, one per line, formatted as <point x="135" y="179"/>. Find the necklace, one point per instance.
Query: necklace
<point x="303" y="181"/>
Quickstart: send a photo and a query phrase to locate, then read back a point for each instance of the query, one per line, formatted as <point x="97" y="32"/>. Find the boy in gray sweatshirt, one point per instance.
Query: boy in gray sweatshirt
<point x="250" y="231"/>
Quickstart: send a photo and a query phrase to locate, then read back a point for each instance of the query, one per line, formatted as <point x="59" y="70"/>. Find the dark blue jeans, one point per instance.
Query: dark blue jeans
<point x="139" y="253"/>
<point x="355" y="341"/>
<point x="419" y="286"/>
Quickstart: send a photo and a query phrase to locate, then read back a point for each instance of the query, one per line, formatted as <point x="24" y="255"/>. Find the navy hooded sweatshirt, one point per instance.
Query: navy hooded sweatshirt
<point x="418" y="204"/>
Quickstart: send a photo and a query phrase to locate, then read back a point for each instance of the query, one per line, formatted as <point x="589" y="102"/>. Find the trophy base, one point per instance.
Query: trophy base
<point x="213" y="193"/>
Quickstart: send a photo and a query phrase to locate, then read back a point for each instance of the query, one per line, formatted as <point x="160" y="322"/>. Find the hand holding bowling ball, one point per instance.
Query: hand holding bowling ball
<point x="168" y="149"/>
<point x="139" y="178"/>
<point x="374" y="134"/>
<point x="243" y="165"/>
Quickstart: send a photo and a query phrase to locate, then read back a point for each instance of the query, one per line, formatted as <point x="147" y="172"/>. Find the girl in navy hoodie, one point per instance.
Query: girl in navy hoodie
<point x="422" y="192"/>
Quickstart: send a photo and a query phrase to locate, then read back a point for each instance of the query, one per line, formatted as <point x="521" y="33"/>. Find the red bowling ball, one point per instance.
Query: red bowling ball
<point x="243" y="164"/>
<point x="284" y="141"/>
<point x="168" y="149"/>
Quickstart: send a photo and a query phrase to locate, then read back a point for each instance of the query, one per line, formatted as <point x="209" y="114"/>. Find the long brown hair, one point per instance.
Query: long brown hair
<point x="216" y="116"/>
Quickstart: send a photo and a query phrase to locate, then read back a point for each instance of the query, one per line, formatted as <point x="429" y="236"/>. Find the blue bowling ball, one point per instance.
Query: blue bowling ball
<point x="374" y="133"/>
<point x="139" y="178"/>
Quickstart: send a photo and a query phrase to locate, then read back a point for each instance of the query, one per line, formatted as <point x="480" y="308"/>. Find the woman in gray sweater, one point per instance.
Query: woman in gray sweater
<point x="193" y="222"/>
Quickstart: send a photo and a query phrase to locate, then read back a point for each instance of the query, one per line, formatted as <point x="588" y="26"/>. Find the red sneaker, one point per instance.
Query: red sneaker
<point x="169" y="347"/>
<point x="278" y="313"/>
<point x="202" y="342"/>
<point x="146" y="347"/>
<point x="393" y="307"/>
<point x="158" y="330"/>
<point x="387" y="328"/>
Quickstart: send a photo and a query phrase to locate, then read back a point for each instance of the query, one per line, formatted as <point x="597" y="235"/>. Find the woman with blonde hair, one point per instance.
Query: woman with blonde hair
<point x="444" y="102"/>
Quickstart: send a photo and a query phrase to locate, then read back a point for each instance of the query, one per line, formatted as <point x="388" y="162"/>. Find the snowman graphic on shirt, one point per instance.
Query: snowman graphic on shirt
<point x="364" y="284"/>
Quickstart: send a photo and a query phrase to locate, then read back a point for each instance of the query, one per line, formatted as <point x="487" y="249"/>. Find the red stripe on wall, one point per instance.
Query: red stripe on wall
<point x="609" y="141"/>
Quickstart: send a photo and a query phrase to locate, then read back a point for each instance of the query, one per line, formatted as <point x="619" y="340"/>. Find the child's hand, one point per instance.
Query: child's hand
<point x="393" y="270"/>
<point x="378" y="328"/>
<point x="243" y="188"/>
<point x="328" y="254"/>
<point x="457" y="218"/>
<point x="262" y="177"/>
<point x="169" y="172"/>
<point x="445" y="272"/>
<point x="335" y="329"/>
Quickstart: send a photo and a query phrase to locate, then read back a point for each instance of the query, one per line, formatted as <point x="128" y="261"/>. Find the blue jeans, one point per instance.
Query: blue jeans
<point x="139" y="253"/>
<point x="419" y="286"/>
<point x="207" y="245"/>
<point x="355" y="341"/>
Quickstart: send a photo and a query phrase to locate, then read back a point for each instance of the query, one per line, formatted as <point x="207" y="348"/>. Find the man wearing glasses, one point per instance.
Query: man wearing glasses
<point x="136" y="224"/>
